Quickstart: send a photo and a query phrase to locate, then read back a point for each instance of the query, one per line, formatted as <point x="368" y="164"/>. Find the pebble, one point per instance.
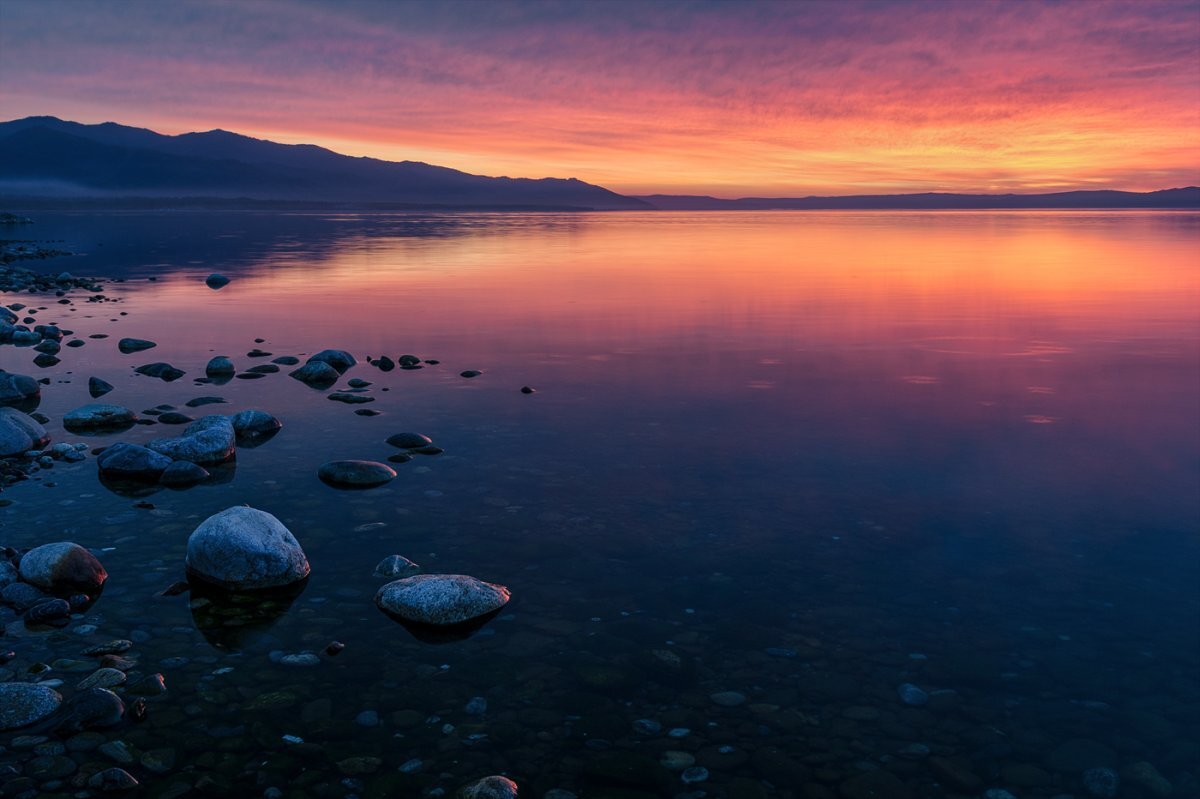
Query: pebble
<point x="367" y="718"/>
<point x="728" y="698"/>
<point x="477" y="706"/>
<point x="912" y="695"/>
<point x="693" y="775"/>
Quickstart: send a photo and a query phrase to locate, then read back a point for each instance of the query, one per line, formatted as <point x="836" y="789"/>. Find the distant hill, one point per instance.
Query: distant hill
<point x="1188" y="197"/>
<point x="49" y="157"/>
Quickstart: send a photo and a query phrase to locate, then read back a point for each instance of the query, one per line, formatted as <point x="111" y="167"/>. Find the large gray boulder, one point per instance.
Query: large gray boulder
<point x="242" y="548"/>
<point x="441" y="599"/>
<point x="338" y="359"/>
<point x="124" y="461"/>
<point x="20" y="433"/>
<point x="494" y="787"/>
<point x="23" y="703"/>
<point x="18" y="389"/>
<point x="207" y="441"/>
<point x="99" y="416"/>
<point x="61" y="567"/>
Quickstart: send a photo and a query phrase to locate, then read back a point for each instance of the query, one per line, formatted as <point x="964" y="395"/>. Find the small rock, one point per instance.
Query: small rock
<point x="128" y="345"/>
<point x="355" y="474"/>
<point x="216" y="281"/>
<point x="441" y="599"/>
<point x="62" y="567"/>
<point x="98" y="387"/>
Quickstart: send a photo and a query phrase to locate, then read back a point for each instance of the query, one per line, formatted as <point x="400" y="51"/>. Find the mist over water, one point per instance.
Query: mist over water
<point x="806" y="458"/>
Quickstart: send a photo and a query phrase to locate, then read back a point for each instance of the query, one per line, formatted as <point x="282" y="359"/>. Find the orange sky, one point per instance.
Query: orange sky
<point x="731" y="99"/>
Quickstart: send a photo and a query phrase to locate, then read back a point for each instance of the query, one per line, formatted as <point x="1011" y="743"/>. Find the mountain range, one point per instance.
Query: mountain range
<point x="46" y="160"/>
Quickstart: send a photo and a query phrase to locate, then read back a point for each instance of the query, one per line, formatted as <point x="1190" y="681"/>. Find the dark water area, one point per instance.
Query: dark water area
<point x="777" y="467"/>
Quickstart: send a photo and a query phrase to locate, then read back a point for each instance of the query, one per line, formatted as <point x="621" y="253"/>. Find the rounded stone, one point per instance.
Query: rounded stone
<point x="22" y="704"/>
<point x="18" y="389"/>
<point x="62" y="566"/>
<point x="208" y="440"/>
<point x="494" y="787"/>
<point x="98" y="387"/>
<point x="356" y="474"/>
<point x="123" y="461"/>
<point x="219" y="366"/>
<point x="128" y="345"/>
<point x="216" y="280"/>
<point x="441" y="599"/>
<point x="396" y="566"/>
<point x="317" y="373"/>
<point x="243" y="548"/>
<point x="409" y="440"/>
<point x="99" y="416"/>
<point x="251" y="423"/>
<point x="20" y="433"/>
<point x="183" y="473"/>
<point x="338" y="359"/>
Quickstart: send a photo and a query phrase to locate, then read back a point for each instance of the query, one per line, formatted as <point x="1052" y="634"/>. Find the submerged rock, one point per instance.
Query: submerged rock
<point x="244" y="548"/>
<point x="20" y="433"/>
<point x="112" y="780"/>
<point x="494" y="787"/>
<point x="99" y="416"/>
<point x="350" y="399"/>
<point x="22" y="704"/>
<point x="396" y="566"/>
<point x="338" y="359"/>
<point x="163" y="371"/>
<point x="90" y="709"/>
<point x="124" y="461"/>
<point x="62" y="566"/>
<point x="441" y="599"/>
<point x="317" y="373"/>
<point x="208" y="440"/>
<point x="355" y="474"/>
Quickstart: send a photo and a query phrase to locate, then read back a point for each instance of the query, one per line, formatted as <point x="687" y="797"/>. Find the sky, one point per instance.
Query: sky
<point x="731" y="99"/>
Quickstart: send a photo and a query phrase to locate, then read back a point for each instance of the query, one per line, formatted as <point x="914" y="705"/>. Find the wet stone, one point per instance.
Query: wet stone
<point x="102" y="678"/>
<point x="128" y="345"/>
<point x="494" y="787"/>
<point x="200" y="401"/>
<point x="98" y="387"/>
<point x="22" y="704"/>
<point x="355" y="474"/>
<point x="349" y="399"/>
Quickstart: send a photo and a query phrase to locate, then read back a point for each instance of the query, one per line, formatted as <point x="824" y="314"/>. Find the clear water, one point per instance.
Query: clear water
<point x="805" y="457"/>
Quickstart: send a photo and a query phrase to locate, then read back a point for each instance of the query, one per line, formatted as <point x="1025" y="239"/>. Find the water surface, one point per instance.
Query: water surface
<point x="804" y="457"/>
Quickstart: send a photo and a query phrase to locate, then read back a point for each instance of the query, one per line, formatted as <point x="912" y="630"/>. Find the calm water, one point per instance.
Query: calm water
<point x="806" y="458"/>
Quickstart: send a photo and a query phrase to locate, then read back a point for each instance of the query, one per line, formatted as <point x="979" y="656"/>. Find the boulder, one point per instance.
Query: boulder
<point x="316" y="373"/>
<point x="124" y="461"/>
<point x="242" y="548"/>
<point x="208" y="440"/>
<point x="254" y="423"/>
<point x="355" y="474"/>
<point x="441" y="599"/>
<point x="409" y="440"/>
<point x="22" y="704"/>
<point x="338" y="359"/>
<point x="18" y="390"/>
<point x="62" y="567"/>
<point x="20" y="433"/>
<point x="98" y="416"/>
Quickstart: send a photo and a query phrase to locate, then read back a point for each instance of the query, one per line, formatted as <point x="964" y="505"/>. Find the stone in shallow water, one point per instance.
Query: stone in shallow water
<point x="242" y="548"/>
<point x="219" y="366"/>
<point x="409" y="440"/>
<point x="181" y="474"/>
<point x="206" y="441"/>
<point x="22" y="704"/>
<point x="161" y="370"/>
<point x="350" y="399"/>
<point x="728" y="698"/>
<point x="123" y="461"/>
<point x="355" y="474"/>
<point x="55" y="612"/>
<point x="99" y="416"/>
<point x="396" y="566"/>
<point x="18" y="390"/>
<point x="216" y="281"/>
<point x="317" y="373"/>
<point x="338" y="359"/>
<point x="912" y="695"/>
<point x="112" y="780"/>
<point x="470" y="373"/>
<point x="175" y="417"/>
<point x="1101" y="782"/>
<point x="494" y="787"/>
<point x="90" y="709"/>
<point x="62" y="566"/>
<point x="441" y="599"/>
<point x="199" y="401"/>
<point x="252" y="423"/>
<point x="98" y="387"/>
<point x="128" y="345"/>
<point x="20" y="433"/>
<point x="102" y="678"/>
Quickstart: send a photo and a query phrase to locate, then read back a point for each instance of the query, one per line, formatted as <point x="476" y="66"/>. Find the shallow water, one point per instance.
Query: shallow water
<point x="805" y="457"/>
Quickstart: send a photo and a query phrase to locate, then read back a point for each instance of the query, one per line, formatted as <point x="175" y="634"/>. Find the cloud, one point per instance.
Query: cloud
<point x="738" y="95"/>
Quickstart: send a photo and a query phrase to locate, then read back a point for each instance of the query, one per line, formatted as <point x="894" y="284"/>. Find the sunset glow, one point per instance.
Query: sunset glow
<point x="731" y="99"/>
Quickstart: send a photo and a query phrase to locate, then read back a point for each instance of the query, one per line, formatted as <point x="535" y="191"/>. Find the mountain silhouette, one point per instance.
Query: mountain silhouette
<point x="50" y="157"/>
<point x="1187" y="197"/>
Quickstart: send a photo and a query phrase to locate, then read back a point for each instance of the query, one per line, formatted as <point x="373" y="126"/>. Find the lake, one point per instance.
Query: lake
<point x="815" y="504"/>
